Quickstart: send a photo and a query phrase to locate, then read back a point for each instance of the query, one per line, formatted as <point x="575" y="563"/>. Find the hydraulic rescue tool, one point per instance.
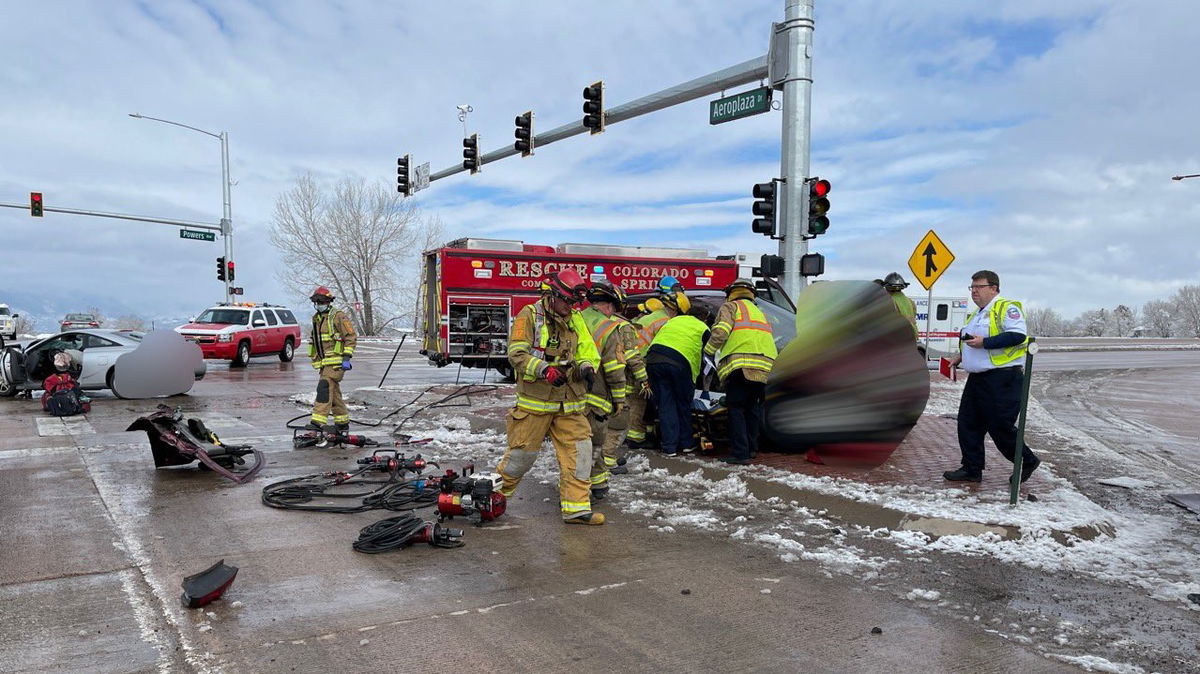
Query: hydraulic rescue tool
<point x="175" y="442"/>
<point x="303" y="438"/>
<point x="403" y="530"/>
<point x="476" y="496"/>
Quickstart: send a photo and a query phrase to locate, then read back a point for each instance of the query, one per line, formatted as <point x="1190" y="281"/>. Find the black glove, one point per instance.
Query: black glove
<point x="589" y="376"/>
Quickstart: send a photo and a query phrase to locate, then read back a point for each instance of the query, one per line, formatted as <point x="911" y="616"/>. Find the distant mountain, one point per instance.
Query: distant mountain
<point x="45" y="312"/>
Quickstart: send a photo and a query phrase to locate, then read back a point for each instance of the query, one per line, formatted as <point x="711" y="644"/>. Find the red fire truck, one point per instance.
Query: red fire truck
<point x="472" y="288"/>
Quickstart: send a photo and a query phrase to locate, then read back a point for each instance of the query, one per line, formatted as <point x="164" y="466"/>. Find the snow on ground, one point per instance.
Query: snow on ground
<point x="1126" y="548"/>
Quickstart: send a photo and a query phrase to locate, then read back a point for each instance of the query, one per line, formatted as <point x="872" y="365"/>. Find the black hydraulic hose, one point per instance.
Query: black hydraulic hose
<point x="391" y="494"/>
<point x="389" y="534"/>
<point x="464" y="390"/>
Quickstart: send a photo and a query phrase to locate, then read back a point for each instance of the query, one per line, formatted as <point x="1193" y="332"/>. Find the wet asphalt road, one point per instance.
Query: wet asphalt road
<point x="96" y="542"/>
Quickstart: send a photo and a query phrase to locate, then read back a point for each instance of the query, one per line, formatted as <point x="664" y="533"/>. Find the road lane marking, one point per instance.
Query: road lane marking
<point x="48" y="426"/>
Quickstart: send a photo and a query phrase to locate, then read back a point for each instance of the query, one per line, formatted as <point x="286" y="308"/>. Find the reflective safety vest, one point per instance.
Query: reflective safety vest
<point x="684" y="334"/>
<point x="1001" y="357"/>
<point x="751" y="344"/>
<point x="332" y="339"/>
<point x="648" y="326"/>
<point x="537" y="341"/>
<point x="907" y="309"/>
<point x="610" y="381"/>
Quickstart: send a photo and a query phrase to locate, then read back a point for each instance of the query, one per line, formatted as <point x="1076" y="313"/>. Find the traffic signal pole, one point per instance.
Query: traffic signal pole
<point x="797" y="33"/>
<point x="733" y="76"/>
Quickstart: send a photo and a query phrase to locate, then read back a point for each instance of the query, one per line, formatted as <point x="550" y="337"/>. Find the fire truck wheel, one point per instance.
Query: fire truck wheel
<point x="288" y="352"/>
<point x="243" y="355"/>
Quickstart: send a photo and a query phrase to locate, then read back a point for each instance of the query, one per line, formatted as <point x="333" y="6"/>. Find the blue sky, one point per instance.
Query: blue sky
<point x="1036" y="138"/>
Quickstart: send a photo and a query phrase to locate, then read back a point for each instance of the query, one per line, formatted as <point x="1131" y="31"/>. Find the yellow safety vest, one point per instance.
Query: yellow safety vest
<point x="648" y="326"/>
<point x="1001" y="357"/>
<point x="751" y="343"/>
<point x="684" y="334"/>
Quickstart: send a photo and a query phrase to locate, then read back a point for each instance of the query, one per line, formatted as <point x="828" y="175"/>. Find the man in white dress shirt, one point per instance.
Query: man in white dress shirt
<point x="994" y="343"/>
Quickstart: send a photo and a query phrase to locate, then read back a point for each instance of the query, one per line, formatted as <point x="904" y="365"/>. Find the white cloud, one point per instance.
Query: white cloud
<point x="1036" y="138"/>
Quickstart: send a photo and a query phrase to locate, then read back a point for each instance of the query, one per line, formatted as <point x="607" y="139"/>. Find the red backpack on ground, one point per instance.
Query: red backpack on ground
<point x="62" y="396"/>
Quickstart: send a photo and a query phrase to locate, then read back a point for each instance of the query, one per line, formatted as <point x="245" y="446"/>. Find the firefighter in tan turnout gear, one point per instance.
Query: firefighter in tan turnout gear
<point x="554" y="361"/>
<point x="608" y="411"/>
<point x="330" y="347"/>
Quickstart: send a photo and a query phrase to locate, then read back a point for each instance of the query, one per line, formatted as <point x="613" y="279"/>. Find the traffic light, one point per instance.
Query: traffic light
<point x="818" y="206"/>
<point x="770" y="266"/>
<point x="229" y="265"/>
<point x="221" y="269"/>
<point x="524" y="134"/>
<point x="35" y="204"/>
<point x="471" y="159"/>
<point x="812" y="264"/>
<point x="403" y="178"/>
<point x="593" y="107"/>
<point x="764" y="209"/>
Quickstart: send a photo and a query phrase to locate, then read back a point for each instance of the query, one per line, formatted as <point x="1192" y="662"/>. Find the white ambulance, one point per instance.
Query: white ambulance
<point x="948" y="317"/>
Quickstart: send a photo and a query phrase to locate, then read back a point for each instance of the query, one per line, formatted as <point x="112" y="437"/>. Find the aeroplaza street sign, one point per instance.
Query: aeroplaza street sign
<point x="753" y="102"/>
<point x="929" y="260"/>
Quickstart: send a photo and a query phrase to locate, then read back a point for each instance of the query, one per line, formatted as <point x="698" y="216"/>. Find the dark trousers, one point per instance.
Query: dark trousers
<point x="673" y="393"/>
<point x="990" y="404"/>
<point x="744" y="399"/>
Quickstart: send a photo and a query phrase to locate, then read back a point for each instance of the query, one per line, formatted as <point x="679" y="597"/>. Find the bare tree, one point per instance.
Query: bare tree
<point x="22" y="325"/>
<point x="361" y="240"/>
<point x="129" y="322"/>
<point x="1122" y="321"/>
<point x="97" y="314"/>
<point x="1187" y="310"/>
<point x="1045" y="322"/>
<point x="1091" y="323"/>
<point x="1157" y="315"/>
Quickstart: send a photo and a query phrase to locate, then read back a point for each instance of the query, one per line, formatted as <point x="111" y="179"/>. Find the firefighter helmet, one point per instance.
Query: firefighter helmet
<point x="678" y="301"/>
<point x="567" y="285"/>
<point x="607" y="291"/>
<point x="668" y="285"/>
<point x="894" y="281"/>
<point x="322" y="294"/>
<point x="742" y="283"/>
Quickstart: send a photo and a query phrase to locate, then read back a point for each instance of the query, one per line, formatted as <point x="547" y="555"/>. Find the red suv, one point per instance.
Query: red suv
<point x="237" y="331"/>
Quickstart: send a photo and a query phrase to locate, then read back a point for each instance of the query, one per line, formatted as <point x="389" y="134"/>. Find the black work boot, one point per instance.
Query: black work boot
<point x="343" y="429"/>
<point x="1028" y="467"/>
<point x="962" y="475"/>
<point x="313" y="426"/>
<point x="329" y="436"/>
<point x="599" y="493"/>
<point x="619" y="469"/>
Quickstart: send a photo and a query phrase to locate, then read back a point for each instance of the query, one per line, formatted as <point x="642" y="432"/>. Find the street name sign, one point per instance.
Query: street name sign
<point x="930" y="260"/>
<point x="195" y="235"/>
<point x="745" y="104"/>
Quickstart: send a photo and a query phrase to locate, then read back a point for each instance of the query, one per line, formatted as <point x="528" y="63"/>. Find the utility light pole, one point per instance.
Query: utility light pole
<point x="227" y="208"/>
<point x="797" y="33"/>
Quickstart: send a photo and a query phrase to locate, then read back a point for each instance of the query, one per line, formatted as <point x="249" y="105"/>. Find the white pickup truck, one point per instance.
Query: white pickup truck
<point x="8" y="322"/>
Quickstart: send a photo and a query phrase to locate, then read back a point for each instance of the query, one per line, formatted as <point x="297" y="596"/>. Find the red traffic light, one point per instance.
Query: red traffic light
<point x="819" y="188"/>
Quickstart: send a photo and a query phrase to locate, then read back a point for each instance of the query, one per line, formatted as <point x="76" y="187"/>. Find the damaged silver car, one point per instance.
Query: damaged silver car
<point x="95" y="354"/>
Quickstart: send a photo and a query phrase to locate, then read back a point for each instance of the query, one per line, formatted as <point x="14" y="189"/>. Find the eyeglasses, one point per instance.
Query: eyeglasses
<point x="976" y="287"/>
